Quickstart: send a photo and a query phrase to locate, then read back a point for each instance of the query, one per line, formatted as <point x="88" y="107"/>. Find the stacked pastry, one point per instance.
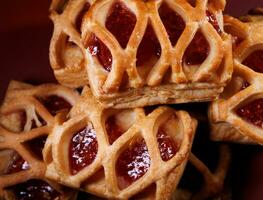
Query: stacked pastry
<point x="121" y="138"/>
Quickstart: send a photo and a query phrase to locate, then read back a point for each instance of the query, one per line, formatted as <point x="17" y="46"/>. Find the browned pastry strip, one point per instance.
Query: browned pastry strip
<point x="120" y="154"/>
<point x="26" y="118"/>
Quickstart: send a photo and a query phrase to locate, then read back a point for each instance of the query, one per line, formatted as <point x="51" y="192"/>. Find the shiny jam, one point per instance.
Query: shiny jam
<point x="37" y="145"/>
<point x="174" y="23"/>
<point x="252" y="112"/>
<point x="34" y="189"/>
<point x="98" y="49"/>
<point x="54" y="103"/>
<point x="83" y="149"/>
<point x="255" y="61"/>
<point x="168" y="148"/>
<point x="18" y="164"/>
<point x="133" y="163"/>
<point x="113" y="130"/>
<point x="149" y="47"/>
<point x="212" y="20"/>
<point x="121" y="22"/>
<point x="81" y="15"/>
<point x="197" y="51"/>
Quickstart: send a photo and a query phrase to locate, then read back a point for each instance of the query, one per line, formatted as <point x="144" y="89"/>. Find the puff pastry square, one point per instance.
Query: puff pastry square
<point x="237" y="115"/>
<point x="120" y="154"/>
<point x="133" y="55"/>
<point x="26" y="119"/>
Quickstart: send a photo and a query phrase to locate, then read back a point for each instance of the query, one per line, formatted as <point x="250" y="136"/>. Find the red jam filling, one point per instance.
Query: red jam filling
<point x="18" y="164"/>
<point x="255" y="61"/>
<point x="83" y="149"/>
<point x="121" y="22"/>
<point x="34" y="189"/>
<point x="174" y="23"/>
<point x="149" y="47"/>
<point x="197" y="51"/>
<point x="252" y="112"/>
<point x="212" y="20"/>
<point x="81" y="15"/>
<point x="168" y="148"/>
<point x="37" y="145"/>
<point x="113" y="130"/>
<point x="54" y="103"/>
<point x="98" y="49"/>
<point x="132" y="164"/>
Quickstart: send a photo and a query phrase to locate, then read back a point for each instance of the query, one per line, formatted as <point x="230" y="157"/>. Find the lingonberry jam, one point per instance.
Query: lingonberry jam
<point x="83" y="149"/>
<point x="36" y="146"/>
<point x="99" y="50"/>
<point x="54" y="103"/>
<point x="212" y="20"/>
<point x="121" y="22"/>
<point x="18" y="164"/>
<point x="113" y="130"/>
<point x="255" y="61"/>
<point x="34" y="189"/>
<point x="168" y="148"/>
<point x="149" y="47"/>
<point x="81" y="15"/>
<point x="197" y="51"/>
<point x="132" y="163"/>
<point x="174" y="23"/>
<point x="252" y="112"/>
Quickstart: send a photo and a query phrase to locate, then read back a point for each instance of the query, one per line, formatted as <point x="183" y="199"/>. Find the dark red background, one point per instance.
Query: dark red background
<point x="25" y="31"/>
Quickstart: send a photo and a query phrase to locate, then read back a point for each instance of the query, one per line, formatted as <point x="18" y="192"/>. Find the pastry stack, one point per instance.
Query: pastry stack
<point x="127" y="121"/>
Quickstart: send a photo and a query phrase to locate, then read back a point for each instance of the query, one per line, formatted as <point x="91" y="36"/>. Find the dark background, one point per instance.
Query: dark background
<point x="25" y="32"/>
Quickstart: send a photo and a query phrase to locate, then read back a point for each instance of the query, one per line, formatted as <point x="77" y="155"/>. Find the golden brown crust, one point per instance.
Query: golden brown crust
<point x="226" y="124"/>
<point x="164" y="174"/>
<point x="13" y="136"/>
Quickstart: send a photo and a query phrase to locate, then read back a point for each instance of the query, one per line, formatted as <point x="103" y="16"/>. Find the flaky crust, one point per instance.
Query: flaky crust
<point x="21" y="96"/>
<point x="226" y="124"/>
<point x="164" y="174"/>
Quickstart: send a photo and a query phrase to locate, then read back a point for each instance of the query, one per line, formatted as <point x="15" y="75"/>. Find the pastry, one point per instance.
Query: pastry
<point x="132" y="54"/>
<point x="66" y="50"/>
<point x="237" y="115"/>
<point x="119" y="154"/>
<point x="26" y="119"/>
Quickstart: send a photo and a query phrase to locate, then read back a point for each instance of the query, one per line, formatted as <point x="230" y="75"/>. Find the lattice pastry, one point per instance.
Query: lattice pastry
<point x="120" y="154"/>
<point x="237" y="115"/>
<point x="66" y="48"/>
<point x="26" y="118"/>
<point x="139" y="53"/>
